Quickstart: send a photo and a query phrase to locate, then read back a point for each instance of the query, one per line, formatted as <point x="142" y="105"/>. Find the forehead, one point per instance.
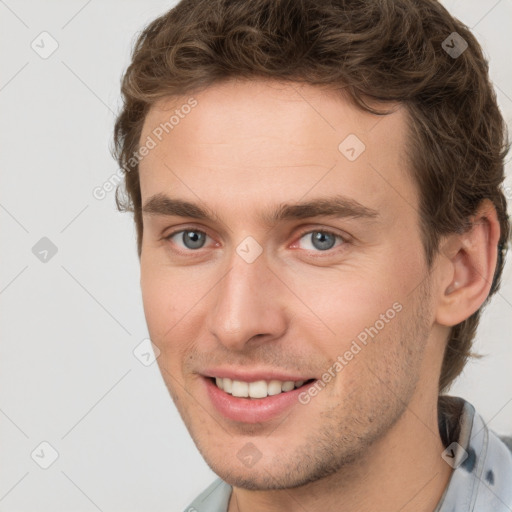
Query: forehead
<point x="265" y="142"/>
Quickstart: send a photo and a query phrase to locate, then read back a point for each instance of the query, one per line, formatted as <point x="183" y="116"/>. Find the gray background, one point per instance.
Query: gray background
<point x="68" y="375"/>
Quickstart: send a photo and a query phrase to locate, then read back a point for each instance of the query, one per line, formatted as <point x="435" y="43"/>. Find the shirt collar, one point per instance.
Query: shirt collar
<point x="480" y="482"/>
<point x="482" y="475"/>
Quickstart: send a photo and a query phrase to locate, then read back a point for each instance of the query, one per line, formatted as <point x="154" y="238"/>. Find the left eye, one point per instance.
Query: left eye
<point x="320" y="240"/>
<point x="190" y="238"/>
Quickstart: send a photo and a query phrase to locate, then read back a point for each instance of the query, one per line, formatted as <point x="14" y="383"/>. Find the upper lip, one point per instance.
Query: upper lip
<point x="248" y="375"/>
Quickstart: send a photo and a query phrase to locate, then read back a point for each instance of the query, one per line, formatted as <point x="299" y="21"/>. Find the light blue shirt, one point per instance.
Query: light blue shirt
<point x="481" y="480"/>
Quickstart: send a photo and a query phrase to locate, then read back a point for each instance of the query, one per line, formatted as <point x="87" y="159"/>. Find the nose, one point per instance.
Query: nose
<point x="249" y="305"/>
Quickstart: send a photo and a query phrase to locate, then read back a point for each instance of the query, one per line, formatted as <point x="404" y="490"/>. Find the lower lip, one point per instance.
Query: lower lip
<point x="252" y="410"/>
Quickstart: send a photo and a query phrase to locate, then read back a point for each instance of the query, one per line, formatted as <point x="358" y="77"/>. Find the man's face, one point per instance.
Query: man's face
<point x="245" y="296"/>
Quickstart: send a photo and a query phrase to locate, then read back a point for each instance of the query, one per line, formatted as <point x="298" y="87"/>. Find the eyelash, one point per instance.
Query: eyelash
<point x="329" y="252"/>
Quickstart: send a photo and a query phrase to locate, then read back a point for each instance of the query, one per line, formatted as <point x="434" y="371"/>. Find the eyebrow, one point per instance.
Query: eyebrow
<point x="333" y="206"/>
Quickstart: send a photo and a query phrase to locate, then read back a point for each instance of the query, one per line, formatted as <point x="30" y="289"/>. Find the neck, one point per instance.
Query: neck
<point x="402" y="471"/>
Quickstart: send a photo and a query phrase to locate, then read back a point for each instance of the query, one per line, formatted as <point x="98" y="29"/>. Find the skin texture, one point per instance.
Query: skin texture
<point x="369" y="440"/>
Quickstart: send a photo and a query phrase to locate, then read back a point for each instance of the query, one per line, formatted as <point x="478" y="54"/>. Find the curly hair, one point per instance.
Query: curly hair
<point x="384" y="50"/>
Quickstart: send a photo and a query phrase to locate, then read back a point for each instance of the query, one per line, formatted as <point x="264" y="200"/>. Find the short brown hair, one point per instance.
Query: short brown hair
<point x="383" y="50"/>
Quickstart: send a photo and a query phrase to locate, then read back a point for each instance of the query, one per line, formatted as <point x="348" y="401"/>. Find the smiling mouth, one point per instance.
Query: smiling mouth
<point x="257" y="389"/>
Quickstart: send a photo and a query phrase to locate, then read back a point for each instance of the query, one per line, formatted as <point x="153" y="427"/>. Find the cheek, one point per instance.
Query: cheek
<point x="152" y="298"/>
<point x="341" y="305"/>
<point x="159" y="296"/>
<point x="171" y="299"/>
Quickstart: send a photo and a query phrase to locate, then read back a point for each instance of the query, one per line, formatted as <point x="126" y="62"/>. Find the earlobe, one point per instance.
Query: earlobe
<point x="469" y="267"/>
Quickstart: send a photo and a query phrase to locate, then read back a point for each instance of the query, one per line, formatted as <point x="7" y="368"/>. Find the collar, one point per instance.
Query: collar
<point x="482" y="477"/>
<point x="481" y="480"/>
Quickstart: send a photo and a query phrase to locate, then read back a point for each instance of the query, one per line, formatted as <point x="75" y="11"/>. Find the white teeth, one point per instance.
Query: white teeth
<point x="274" y="387"/>
<point x="240" y="389"/>
<point x="228" y="385"/>
<point x="288" y="385"/>
<point x="257" y="389"/>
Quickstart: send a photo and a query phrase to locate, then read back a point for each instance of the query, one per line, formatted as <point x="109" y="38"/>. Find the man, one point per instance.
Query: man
<point x="317" y="190"/>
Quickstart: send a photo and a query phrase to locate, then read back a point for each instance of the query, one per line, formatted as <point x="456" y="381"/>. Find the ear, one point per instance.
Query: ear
<point x="468" y="262"/>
